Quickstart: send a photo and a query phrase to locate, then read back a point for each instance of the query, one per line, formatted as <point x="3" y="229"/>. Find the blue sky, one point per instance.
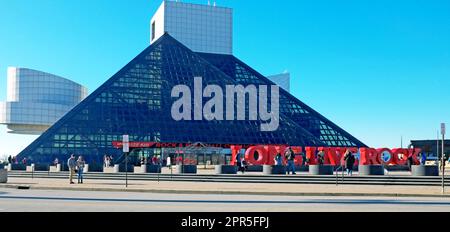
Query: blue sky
<point x="379" y="69"/>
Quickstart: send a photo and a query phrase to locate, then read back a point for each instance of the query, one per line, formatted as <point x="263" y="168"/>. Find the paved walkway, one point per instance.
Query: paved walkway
<point x="13" y="200"/>
<point x="230" y="188"/>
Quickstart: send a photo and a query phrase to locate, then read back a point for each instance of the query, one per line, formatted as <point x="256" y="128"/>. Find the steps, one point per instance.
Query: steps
<point x="299" y="179"/>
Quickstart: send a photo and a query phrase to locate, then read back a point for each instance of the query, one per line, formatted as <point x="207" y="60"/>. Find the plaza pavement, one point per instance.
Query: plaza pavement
<point x="229" y="188"/>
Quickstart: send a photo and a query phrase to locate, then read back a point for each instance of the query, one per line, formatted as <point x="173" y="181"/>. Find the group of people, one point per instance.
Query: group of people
<point x="76" y="166"/>
<point x="108" y="161"/>
<point x="13" y="160"/>
<point x="289" y="157"/>
<point x="155" y="160"/>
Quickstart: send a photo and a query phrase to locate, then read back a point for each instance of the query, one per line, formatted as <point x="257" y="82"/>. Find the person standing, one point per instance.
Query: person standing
<point x="349" y="162"/>
<point x="80" y="167"/>
<point x="290" y="157"/>
<point x="105" y="161"/>
<point x="278" y="160"/>
<point x="321" y="158"/>
<point x="423" y="159"/>
<point x="72" y="164"/>
<point x="9" y="160"/>
<point x="111" y="161"/>
<point x="242" y="165"/>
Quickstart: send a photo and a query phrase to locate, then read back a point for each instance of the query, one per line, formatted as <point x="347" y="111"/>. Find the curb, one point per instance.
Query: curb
<point x="291" y="194"/>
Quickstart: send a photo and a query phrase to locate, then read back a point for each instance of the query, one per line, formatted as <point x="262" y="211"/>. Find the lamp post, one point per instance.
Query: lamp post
<point x="443" y="157"/>
<point x="126" y="150"/>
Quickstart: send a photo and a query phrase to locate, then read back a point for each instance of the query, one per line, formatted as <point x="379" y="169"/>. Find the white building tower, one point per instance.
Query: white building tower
<point x="202" y="28"/>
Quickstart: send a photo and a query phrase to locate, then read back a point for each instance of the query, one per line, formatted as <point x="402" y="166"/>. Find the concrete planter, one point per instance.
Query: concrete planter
<point x="18" y="167"/>
<point x="321" y="170"/>
<point x="186" y="169"/>
<point x="421" y="170"/>
<point x="118" y="168"/>
<point x="255" y="168"/>
<point x="3" y="176"/>
<point x="274" y="170"/>
<point x="109" y="170"/>
<point x="56" y="168"/>
<point x="148" y="169"/>
<point x="37" y="168"/>
<point x="371" y="170"/>
<point x="93" y="168"/>
<point x="226" y="169"/>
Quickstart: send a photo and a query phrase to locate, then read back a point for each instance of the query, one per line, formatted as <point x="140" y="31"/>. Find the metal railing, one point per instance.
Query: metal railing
<point x="342" y="168"/>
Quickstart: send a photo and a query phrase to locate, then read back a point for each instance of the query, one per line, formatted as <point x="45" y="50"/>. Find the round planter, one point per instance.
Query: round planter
<point x="422" y="170"/>
<point x="226" y="169"/>
<point x="371" y="170"/>
<point x="274" y="170"/>
<point x="186" y="169"/>
<point x="321" y="170"/>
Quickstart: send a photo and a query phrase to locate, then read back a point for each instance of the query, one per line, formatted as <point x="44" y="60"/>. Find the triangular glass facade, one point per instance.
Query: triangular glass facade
<point x="303" y="115"/>
<point x="137" y="101"/>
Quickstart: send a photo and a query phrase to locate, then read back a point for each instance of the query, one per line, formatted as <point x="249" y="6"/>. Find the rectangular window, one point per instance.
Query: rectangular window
<point x="153" y="31"/>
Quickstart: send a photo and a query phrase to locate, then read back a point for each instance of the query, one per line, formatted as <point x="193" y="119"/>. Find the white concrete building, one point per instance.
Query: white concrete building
<point x="283" y="80"/>
<point x="202" y="28"/>
<point x="36" y="100"/>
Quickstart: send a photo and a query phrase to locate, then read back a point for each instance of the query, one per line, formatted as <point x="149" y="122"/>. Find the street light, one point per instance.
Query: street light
<point x="443" y="160"/>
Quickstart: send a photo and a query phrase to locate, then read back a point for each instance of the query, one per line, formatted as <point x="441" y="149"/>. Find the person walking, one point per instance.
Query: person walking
<point x="349" y="162"/>
<point x="9" y="160"/>
<point x="72" y="164"/>
<point x="290" y="157"/>
<point x="80" y="167"/>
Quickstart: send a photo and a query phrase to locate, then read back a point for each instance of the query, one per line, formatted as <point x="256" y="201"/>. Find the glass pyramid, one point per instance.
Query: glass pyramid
<point x="137" y="101"/>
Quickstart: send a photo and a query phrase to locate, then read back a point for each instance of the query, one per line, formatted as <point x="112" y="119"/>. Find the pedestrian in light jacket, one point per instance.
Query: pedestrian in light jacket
<point x="72" y="164"/>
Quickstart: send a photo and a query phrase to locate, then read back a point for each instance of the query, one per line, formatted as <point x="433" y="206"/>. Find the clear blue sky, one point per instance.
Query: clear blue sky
<point x="379" y="69"/>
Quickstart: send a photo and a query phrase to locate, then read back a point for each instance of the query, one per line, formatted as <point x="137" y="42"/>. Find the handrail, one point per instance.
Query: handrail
<point x="337" y="174"/>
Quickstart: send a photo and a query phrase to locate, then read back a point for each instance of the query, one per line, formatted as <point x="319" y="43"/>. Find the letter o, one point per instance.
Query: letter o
<point x="250" y="155"/>
<point x="385" y="155"/>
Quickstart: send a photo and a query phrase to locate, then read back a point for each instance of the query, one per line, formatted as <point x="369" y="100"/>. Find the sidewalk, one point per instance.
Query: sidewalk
<point x="229" y="188"/>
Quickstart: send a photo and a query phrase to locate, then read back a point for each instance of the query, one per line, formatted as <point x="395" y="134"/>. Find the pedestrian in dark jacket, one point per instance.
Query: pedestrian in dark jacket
<point x="349" y="162"/>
